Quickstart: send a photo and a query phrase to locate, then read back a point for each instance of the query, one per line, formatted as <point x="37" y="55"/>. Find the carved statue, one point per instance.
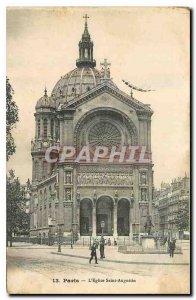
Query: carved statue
<point x="143" y="195"/>
<point x="143" y="178"/>
<point x="148" y="225"/>
<point x="94" y="196"/>
<point x="78" y="196"/>
<point x="32" y="144"/>
<point x="68" y="195"/>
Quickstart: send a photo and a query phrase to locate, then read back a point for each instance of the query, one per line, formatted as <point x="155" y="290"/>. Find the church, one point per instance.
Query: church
<point x="86" y="108"/>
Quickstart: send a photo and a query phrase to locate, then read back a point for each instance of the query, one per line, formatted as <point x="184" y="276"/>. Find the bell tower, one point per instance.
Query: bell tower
<point x="86" y="49"/>
<point x="46" y="135"/>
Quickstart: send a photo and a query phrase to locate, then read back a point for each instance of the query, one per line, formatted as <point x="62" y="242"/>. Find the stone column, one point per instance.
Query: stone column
<point x="36" y="124"/>
<point x="149" y="138"/>
<point x="54" y="130"/>
<point x="41" y="129"/>
<point x="61" y="133"/>
<point x="75" y="221"/>
<point x="130" y="221"/>
<point x="48" y="128"/>
<point x="115" y="233"/>
<point x="94" y="221"/>
<point x="61" y="196"/>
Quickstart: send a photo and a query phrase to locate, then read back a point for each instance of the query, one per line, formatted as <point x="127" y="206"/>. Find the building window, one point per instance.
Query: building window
<point x="68" y="177"/>
<point x="36" y="171"/>
<point x="45" y="195"/>
<point x="52" y="128"/>
<point x="45" y="128"/>
<point x="44" y="169"/>
<point x="38" y="128"/>
<point x="86" y="53"/>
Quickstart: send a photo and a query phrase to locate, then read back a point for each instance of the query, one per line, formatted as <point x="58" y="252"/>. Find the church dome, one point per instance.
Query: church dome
<point x="76" y="82"/>
<point x="45" y="102"/>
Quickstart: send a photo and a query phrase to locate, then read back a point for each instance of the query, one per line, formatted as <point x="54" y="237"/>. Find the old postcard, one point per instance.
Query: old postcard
<point x="98" y="179"/>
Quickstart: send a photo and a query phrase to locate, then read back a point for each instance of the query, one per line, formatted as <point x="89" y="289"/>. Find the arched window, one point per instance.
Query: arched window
<point x="45" y="195"/>
<point x="38" y="128"/>
<point x="44" y="168"/>
<point x="86" y="53"/>
<point x="36" y="166"/>
<point x="41" y="197"/>
<point x="52" y="128"/>
<point x="45" y="128"/>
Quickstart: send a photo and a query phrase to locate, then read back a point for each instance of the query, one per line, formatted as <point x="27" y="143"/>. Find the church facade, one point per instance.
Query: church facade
<point x="86" y="108"/>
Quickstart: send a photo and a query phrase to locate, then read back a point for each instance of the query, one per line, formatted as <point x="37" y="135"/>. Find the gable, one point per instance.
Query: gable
<point x="108" y="89"/>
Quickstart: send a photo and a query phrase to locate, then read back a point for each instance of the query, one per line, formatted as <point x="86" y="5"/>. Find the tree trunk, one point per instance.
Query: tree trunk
<point x="10" y="239"/>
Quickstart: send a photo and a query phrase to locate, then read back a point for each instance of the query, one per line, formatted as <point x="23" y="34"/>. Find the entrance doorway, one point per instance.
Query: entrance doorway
<point x="105" y="213"/>
<point x="123" y="217"/>
<point x="85" y="216"/>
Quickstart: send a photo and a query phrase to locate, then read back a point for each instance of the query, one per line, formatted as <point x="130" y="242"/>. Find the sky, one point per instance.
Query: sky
<point x="148" y="47"/>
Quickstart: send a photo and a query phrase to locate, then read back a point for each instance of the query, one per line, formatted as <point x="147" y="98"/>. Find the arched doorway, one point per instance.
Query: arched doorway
<point x="104" y="213"/>
<point x="85" y="216"/>
<point x="123" y="217"/>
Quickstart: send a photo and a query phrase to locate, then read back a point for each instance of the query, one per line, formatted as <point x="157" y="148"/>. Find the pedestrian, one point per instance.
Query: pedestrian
<point x="109" y="242"/>
<point x="93" y="253"/>
<point x="172" y="246"/>
<point x="115" y="242"/>
<point x="101" y="248"/>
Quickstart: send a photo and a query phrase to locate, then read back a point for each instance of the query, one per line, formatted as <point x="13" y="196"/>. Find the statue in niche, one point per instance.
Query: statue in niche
<point x="132" y="194"/>
<point x="94" y="196"/>
<point x="116" y="196"/>
<point x="143" y="178"/>
<point x="68" y="195"/>
<point x="78" y="196"/>
<point x="143" y="194"/>
<point x="78" y="179"/>
<point x="68" y="177"/>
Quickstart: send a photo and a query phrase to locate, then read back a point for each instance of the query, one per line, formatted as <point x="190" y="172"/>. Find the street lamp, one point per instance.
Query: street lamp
<point x="72" y="238"/>
<point x="102" y="227"/>
<point x="59" y="237"/>
<point x="90" y="231"/>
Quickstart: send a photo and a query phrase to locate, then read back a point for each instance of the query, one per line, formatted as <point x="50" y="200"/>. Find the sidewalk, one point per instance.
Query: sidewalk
<point x="111" y="253"/>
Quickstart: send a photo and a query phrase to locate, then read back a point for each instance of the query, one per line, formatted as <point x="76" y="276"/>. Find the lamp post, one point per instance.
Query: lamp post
<point x="59" y="237"/>
<point x="90" y="231"/>
<point x="102" y="227"/>
<point x="72" y="238"/>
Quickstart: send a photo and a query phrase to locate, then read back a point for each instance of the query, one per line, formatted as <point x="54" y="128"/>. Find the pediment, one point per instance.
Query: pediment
<point x="108" y="88"/>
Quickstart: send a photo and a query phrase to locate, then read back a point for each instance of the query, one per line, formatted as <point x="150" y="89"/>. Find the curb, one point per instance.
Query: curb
<point x="122" y="262"/>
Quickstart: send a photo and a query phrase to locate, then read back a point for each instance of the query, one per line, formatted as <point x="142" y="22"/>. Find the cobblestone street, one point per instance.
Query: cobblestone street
<point x="43" y="269"/>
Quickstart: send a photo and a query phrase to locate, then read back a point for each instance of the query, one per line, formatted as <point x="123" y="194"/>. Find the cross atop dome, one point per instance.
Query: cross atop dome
<point x="86" y="17"/>
<point x="45" y="92"/>
<point x="86" y="48"/>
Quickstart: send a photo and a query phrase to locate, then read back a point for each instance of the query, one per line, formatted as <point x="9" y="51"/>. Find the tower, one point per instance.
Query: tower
<point x="86" y="49"/>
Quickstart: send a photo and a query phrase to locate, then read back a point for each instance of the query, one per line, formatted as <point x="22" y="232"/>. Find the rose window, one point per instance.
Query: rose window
<point x="104" y="134"/>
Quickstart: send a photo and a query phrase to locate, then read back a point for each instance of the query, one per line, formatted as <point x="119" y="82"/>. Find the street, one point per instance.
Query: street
<point x="41" y="269"/>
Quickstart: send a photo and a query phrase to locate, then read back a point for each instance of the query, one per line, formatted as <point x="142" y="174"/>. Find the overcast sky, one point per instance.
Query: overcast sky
<point x="148" y="47"/>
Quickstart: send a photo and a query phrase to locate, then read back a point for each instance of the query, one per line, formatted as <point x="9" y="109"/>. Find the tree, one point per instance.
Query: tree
<point x="17" y="218"/>
<point x="182" y="216"/>
<point x="11" y="119"/>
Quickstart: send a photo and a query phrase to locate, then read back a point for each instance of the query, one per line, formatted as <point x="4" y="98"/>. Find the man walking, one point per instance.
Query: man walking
<point x="172" y="246"/>
<point x="102" y="246"/>
<point x="93" y="253"/>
